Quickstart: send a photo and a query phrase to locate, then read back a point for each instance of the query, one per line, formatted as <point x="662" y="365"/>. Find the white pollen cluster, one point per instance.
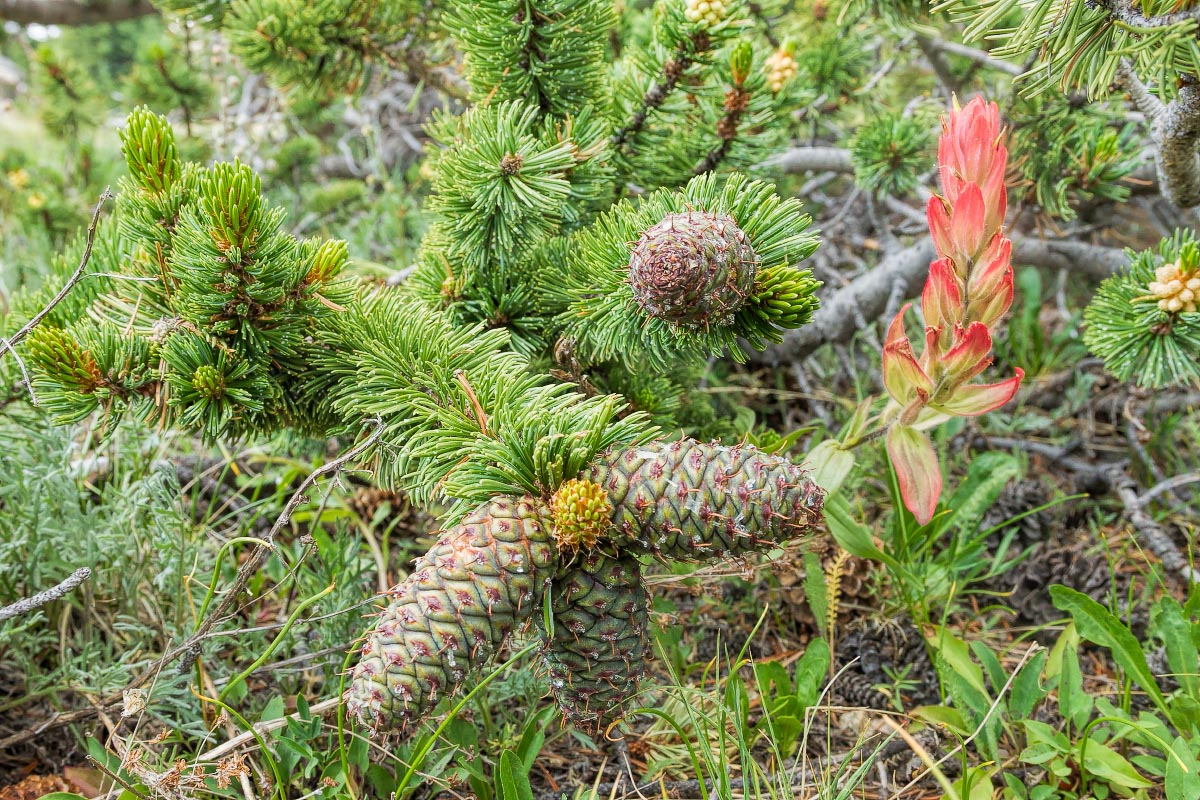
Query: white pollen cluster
<point x="710" y="12"/>
<point x="1175" y="289"/>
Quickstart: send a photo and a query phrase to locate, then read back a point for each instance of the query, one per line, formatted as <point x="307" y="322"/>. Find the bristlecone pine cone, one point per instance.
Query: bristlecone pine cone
<point x="687" y="501"/>
<point x="486" y="577"/>
<point x="1017" y="498"/>
<point x="473" y="589"/>
<point x="1068" y="564"/>
<point x="693" y="269"/>
<point x="595" y="655"/>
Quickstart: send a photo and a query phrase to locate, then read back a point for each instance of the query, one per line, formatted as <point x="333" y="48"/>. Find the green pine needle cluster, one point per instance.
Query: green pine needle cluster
<point x="890" y="154"/>
<point x="324" y="46"/>
<point x="1066" y="154"/>
<point x="1139" y="341"/>
<point x="464" y="418"/>
<point x="208" y="318"/>
<point x="1078" y="45"/>
<point x="549" y="54"/>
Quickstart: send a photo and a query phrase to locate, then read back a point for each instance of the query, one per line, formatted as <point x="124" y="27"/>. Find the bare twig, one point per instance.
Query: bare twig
<point x="1113" y="477"/>
<point x="1154" y="535"/>
<point x="811" y="159"/>
<point x="73" y="12"/>
<point x="1168" y="485"/>
<point x="266" y="726"/>
<point x="11" y="343"/>
<point x="981" y="57"/>
<point x="41" y="598"/>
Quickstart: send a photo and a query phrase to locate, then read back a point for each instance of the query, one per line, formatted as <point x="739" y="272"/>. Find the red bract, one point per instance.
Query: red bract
<point x="969" y="288"/>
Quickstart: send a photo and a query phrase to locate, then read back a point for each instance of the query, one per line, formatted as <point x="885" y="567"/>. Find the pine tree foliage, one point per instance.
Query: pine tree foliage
<point x="502" y="182"/>
<point x="1081" y="45"/>
<point x="163" y="79"/>
<point x="70" y="95"/>
<point x="1071" y="153"/>
<point x="325" y="46"/>
<point x="891" y="152"/>
<point x="683" y="79"/>
<point x="1145" y="322"/>
<point x="551" y="54"/>
<point x="210" y="317"/>
<point x="895" y="12"/>
<point x="518" y="356"/>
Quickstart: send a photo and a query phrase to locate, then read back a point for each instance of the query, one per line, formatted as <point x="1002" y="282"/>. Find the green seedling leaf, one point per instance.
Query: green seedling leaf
<point x="1073" y="703"/>
<point x="1044" y="743"/>
<point x="811" y="671"/>
<point x="975" y="784"/>
<point x="850" y="534"/>
<point x="956" y="654"/>
<point x="1182" y="780"/>
<point x="1175" y="630"/>
<point x="534" y="736"/>
<point x="995" y="672"/>
<point x="985" y="480"/>
<point x="1096" y="624"/>
<point x="1027" y="690"/>
<point x="773" y="681"/>
<point x="513" y="778"/>
<point x="945" y="716"/>
<point x="830" y="465"/>
<point x="816" y="591"/>
<point x="1104" y="762"/>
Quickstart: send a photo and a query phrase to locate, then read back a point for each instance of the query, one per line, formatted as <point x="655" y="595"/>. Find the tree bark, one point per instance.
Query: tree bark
<point x="811" y="159"/>
<point x="73" y="12"/>
<point x="904" y="271"/>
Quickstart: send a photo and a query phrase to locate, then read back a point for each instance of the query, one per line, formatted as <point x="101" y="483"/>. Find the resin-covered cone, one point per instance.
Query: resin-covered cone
<point x="595" y="655"/>
<point x="693" y="269"/>
<point x="698" y="502"/>
<point x="481" y="581"/>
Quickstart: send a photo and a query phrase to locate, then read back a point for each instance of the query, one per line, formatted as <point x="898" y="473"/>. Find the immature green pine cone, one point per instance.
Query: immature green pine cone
<point x="483" y="580"/>
<point x="693" y="269"/>
<point x="595" y="656"/>
<point x="689" y="501"/>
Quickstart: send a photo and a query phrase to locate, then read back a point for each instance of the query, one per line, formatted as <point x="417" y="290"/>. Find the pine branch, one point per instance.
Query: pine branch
<point x="1125" y="11"/>
<point x="77" y="578"/>
<point x="1176" y="132"/>
<point x="811" y="159"/>
<point x="737" y="99"/>
<point x="11" y="343"/>
<point x="673" y="70"/>
<point x="1175" y="129"/>
<point x="981" y="57"/>
<point x="73" y="12"/>
<point x="444" y="78"/>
